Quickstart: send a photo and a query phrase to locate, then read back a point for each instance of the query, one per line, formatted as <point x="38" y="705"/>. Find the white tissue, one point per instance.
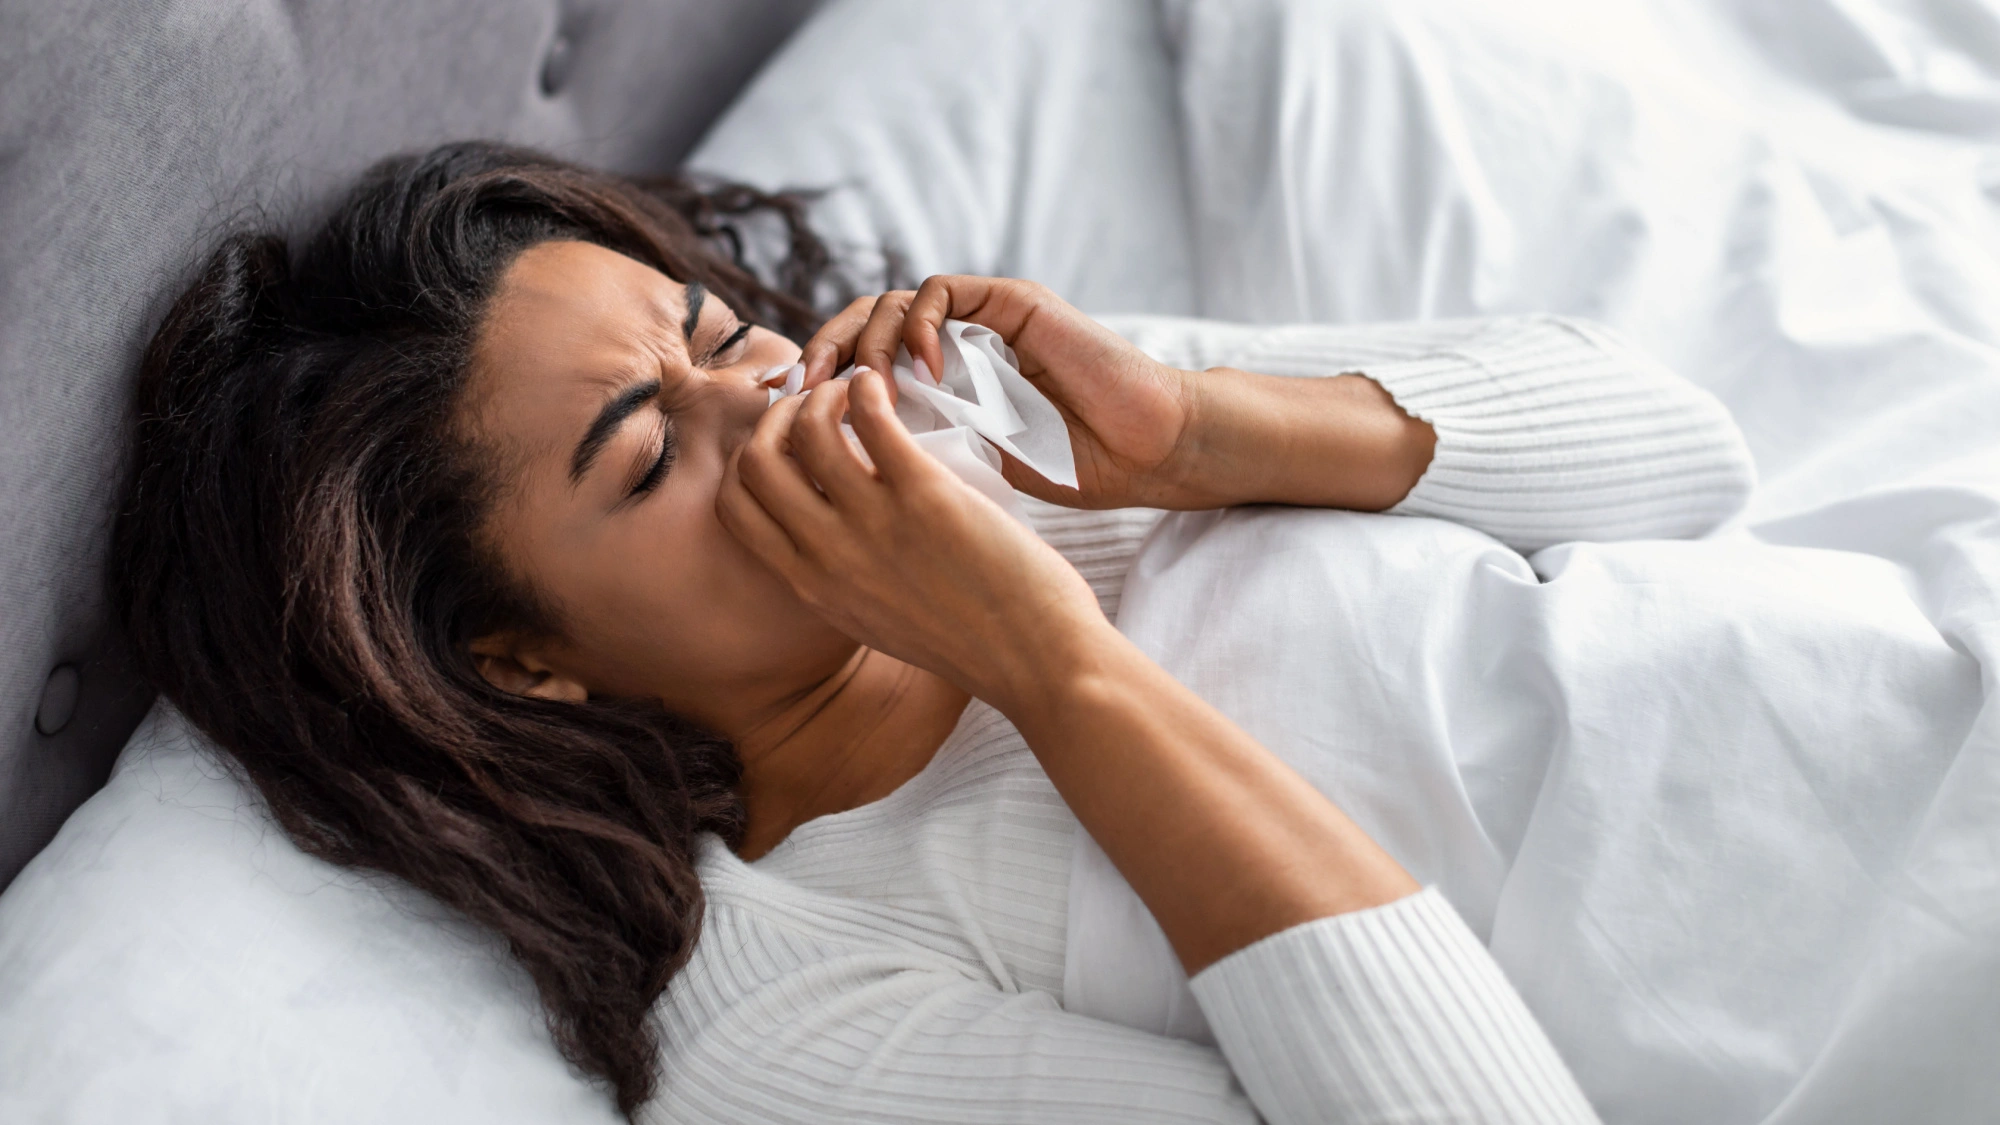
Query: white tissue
<point x="983" y="389"/>
<point x="785" y="379"/>
<point x="983" y="395"/>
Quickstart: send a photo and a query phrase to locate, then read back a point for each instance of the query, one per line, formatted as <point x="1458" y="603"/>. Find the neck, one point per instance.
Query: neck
<point x="851" y="739"/>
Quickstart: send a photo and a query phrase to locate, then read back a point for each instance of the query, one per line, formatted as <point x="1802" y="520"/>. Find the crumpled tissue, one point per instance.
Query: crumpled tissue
<point x="981" y="403"/>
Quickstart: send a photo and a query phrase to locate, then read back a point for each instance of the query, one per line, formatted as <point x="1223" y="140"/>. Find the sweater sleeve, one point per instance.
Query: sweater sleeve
<point x="1395" y="1014"/>
<point x="1549" y="429"/>
<point x="1100" y="544"/>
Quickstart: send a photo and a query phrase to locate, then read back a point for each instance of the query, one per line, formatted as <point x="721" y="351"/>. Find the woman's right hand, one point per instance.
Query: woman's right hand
<point x="903" y="556"/>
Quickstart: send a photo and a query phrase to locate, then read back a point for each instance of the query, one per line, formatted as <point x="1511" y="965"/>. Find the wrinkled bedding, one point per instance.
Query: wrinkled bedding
<point x="1728" y="811"/>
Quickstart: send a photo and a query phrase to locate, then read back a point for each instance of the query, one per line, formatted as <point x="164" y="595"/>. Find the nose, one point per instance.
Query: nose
<point x="747" y="396"/>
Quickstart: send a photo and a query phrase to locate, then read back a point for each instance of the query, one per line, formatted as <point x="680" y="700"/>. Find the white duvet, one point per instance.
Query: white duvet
<point x="1714" y="805"/>
<point x="1728" y="812"/>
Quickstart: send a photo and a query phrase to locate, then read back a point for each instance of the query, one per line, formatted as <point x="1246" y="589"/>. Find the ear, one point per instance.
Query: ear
<point x="514" y="667"/>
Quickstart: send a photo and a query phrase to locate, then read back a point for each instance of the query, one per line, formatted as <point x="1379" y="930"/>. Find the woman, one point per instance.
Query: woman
<point x="468" y="533"/>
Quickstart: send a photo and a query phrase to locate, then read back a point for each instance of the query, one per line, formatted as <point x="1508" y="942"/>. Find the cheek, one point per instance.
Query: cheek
<point x="670" y="604"/>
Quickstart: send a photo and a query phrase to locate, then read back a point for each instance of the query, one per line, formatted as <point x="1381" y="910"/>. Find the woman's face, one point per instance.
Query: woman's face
<point x="612" y="399"/>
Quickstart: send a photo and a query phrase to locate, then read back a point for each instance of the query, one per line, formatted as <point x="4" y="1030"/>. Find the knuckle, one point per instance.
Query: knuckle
<point x="874" y="521"/>
<point x="927" y="493"/>
<point x="812" y="594"/>
<point x="803" y="437"/>
<point x="756" y="452"/>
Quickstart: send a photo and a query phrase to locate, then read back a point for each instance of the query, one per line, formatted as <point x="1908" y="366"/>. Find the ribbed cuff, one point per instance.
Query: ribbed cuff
<point x="1549" y="430"/>
<point x="1395" y="1014"/>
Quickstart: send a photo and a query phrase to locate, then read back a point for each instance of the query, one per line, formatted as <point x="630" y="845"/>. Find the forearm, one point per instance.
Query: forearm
<point x="1224" y="843"/>
<point x="1542" y="429"/>
<point x="1325" y="443"/>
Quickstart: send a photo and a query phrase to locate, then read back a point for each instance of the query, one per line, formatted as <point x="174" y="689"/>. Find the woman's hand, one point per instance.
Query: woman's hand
<point x="1128" y="415"/>
<point x="902" y="555"/>
<point x="1145" y="434"/>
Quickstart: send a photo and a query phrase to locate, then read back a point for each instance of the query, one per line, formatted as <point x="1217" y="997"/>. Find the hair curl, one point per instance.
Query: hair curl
<point x="298" y="565"/>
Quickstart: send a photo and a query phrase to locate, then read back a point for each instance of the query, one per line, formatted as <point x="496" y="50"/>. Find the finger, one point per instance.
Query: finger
<point x="1047" y="335"/>
<point x="876" y="346"/>
<point x="831" y="347"/>
<point x="779" y="483"/>
<point x="898" y="459"/>
<point x="924" y="318"/>
<point x="1006" y="305"/>
<point x="743" y="517"/>
<point x="824" y="450"/>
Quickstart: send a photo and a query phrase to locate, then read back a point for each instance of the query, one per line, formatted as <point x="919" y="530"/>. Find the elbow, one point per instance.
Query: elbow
<point x="1708" y="462"/>
<point x="1716" y="488"/>
<point x="1734" y="470"/>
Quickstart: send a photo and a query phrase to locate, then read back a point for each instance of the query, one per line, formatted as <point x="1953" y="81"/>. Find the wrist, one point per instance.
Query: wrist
<point x="1216" y="462"/>
<point x="1338" y="442"/>
<point x="1038" y="684"/>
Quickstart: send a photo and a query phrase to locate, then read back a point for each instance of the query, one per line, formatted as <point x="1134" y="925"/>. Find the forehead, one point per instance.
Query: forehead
<point x="559" y="302"/>
<point x="570" y="324"/>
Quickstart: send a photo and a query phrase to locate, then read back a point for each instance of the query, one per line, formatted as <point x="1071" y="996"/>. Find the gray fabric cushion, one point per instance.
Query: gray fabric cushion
<point x="131" y="133"/>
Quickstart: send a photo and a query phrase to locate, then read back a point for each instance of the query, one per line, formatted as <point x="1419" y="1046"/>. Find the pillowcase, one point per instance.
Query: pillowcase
<point x="1035" y="138"/>
<point x="172" y="957"/>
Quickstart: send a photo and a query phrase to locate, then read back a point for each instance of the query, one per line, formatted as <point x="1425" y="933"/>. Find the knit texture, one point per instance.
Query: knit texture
<point x="1449" y="1039"/>
<point x="1549" y="429"/>
<point x="902" y="961"/>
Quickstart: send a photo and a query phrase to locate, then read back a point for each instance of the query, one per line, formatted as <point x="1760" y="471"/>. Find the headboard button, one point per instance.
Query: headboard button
<point x="58" y="705"/>
<point x="556" y="63"/>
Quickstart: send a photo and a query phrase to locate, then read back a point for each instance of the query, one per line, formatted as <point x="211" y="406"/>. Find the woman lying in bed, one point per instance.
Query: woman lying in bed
<point x="470" y="532"/>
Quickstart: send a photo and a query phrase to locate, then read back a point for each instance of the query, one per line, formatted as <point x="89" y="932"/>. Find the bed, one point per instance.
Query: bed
<point x="1797" y="205"/>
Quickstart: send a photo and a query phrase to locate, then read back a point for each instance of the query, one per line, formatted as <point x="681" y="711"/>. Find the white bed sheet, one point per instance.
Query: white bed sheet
<point x="1717" y="807"/>
<point x="1729" y="812"/>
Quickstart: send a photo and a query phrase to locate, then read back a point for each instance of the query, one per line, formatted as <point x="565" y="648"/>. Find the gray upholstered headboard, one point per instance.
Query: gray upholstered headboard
<point x="131" y="133"/>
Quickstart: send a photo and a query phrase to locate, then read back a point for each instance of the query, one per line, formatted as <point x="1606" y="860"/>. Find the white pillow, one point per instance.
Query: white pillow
<point x="1035" y="138"/>
<point x="172" y="957"/>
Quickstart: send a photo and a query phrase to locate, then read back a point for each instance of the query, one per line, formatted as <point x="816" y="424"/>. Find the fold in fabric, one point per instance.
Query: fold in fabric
<point x="981" y="395"/>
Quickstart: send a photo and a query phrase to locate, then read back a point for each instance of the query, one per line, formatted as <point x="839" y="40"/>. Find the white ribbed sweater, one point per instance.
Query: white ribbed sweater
<point x="903" y="961"/>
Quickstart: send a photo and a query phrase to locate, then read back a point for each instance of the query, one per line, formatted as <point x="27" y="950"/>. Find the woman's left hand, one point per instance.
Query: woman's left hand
<point x="1131" y="419"/>
<point x="1145" y="434"/>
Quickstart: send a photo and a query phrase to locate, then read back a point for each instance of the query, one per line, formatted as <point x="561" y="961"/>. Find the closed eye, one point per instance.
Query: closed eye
<point x="658" y="470"/>
<point x="734" y="338"/>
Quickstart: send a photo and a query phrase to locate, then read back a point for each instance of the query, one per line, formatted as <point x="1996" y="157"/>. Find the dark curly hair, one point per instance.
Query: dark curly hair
<point x="299" y="566"/>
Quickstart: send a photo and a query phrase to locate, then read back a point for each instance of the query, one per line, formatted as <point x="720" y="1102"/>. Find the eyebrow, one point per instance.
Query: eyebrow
<point x="606" y="423"/>
<point x="696" y="294"/>
<point x="631" y="398"/>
